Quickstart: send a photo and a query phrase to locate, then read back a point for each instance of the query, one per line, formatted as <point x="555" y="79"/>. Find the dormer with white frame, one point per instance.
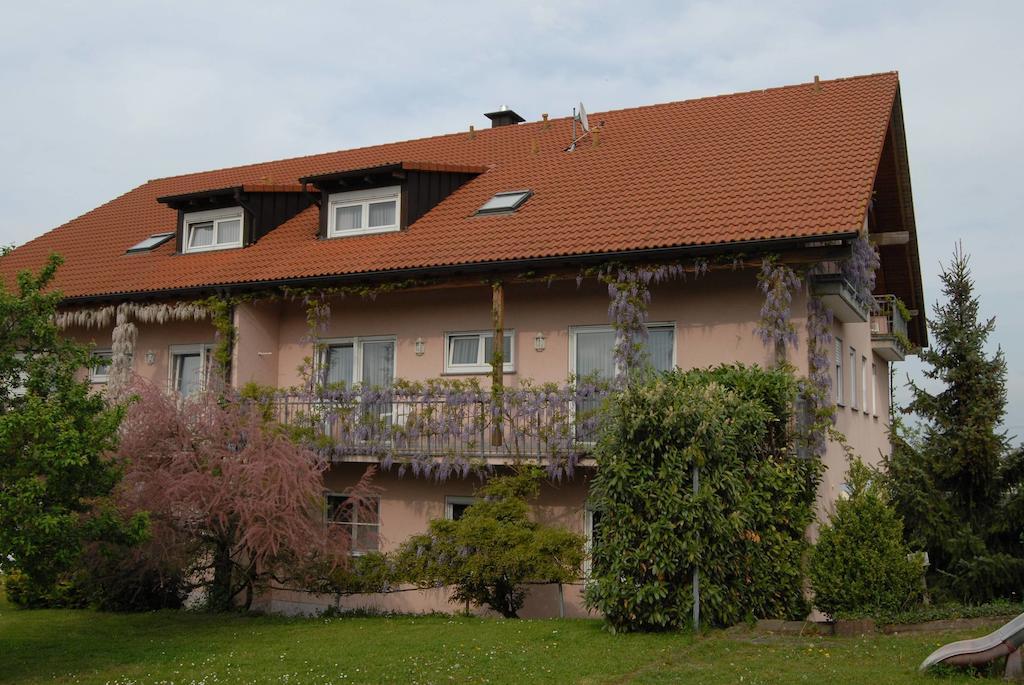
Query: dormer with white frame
<point x="231" y="218"/>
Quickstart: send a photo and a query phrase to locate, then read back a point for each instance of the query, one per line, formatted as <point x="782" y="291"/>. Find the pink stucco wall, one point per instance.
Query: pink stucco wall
<point x="715" y="319"/>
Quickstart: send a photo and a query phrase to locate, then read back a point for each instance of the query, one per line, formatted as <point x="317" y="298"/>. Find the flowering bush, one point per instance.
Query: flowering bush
<point x="233" y="503"/>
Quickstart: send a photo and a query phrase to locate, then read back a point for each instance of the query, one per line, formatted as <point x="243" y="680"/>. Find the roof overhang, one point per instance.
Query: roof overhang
<point x="373" y="174"/>
<point x="826" y="247"/>
<point x="220" y="195"/>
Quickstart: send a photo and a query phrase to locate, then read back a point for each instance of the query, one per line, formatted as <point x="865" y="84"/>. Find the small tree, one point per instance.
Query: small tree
<point x="235" y="503"/>
<point x="54" y="437"/>
<point x="489" y="554"/>
<point x="861" y="564"/>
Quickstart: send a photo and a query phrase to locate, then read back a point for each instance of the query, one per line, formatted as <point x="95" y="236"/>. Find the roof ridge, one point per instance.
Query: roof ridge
<point x="528" y="124"/>
<point x="722" y="96"/>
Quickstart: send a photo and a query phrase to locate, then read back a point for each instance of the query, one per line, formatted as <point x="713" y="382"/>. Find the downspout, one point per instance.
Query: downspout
<point x="497" y="361"/>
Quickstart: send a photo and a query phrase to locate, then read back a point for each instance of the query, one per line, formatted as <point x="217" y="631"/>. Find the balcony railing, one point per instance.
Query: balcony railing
<point x="555" y="426"/>
<point x="889" y="329"/>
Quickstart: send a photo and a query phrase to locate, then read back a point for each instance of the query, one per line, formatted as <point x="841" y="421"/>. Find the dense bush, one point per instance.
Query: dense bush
<point x="860" y="564"/>
<point x="56" y="476"/>
<point x="743" y="530"/>
<point x="489" y="554"/>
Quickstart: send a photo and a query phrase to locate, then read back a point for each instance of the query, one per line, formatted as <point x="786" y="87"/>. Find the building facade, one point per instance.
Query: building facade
<point x="412" y="258"/>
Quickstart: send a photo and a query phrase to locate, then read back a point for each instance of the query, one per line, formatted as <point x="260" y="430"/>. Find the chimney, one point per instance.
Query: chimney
<point x="503" y="117"/>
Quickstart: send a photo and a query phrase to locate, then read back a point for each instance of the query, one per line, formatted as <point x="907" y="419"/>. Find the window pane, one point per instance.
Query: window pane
<point x="348" y="218"/>
<point x="595" y="353"/>
<point x="661" y="343"/>
<point x="465" y="349"/>
<point x="229" y="232"/>
<point x="340" y="364"/>
<point x="338" y="509"/>
<point x="378" y="363"/>
<point x="188" y="373"/>
<point x="101" y="363"/>
<point x="382" y="214"/>
<point x="201" y="235"/>
<point x="489" y="349"/>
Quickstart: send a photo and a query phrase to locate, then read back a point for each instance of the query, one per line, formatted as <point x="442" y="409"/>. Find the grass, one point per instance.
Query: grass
<point x="63" y="646"/>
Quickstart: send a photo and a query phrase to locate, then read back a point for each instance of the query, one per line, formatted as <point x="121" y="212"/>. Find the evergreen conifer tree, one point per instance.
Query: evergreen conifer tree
<point x="954" y="481"/>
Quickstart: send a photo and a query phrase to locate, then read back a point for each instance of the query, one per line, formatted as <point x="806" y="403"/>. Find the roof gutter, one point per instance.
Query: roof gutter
<point x="652" y="254"/>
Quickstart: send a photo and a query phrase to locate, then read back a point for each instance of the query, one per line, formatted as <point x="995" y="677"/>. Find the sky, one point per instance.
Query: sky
<point x="99" y="97"/>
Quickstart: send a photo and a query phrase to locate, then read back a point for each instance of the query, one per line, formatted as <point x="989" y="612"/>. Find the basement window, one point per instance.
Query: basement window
<point x="364" y="211"/>
<point x="215" y="229"/>
<point x="152" y="242"/>
<point x="504" y="203"/>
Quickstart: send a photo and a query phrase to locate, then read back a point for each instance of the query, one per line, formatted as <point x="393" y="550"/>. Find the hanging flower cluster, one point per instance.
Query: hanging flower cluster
<point x="442" y="428"/>
<point x="778" y="282"/>
<point x="859" y="270"/>
<point x="819" y="407"/>
<point x="629" y="292"/>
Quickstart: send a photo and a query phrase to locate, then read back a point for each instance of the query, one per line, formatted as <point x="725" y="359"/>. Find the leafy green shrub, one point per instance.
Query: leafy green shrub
<point x="489" y="554"/>
<point x="743" y="530"/>
<point x="861" y="564"/>
<point x="23" y="591"/>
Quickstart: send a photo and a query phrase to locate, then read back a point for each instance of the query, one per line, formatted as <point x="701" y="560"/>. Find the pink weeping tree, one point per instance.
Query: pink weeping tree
<point x="234" y="503"/>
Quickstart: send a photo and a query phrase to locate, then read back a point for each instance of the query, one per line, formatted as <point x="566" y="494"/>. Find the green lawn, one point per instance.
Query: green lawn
<point x="169" y="647"/>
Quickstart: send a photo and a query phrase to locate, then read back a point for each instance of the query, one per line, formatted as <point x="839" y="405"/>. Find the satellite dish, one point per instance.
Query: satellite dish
<point x="582" y="117"/>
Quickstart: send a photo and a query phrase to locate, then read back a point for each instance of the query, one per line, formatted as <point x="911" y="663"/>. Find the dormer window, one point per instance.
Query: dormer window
<point x="359" y="212"/>
<point x="215" y="229"/>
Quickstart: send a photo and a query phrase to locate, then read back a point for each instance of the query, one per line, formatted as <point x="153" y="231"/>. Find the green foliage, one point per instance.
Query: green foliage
<point x="957" y="482"/>
<point x="55" y="434"/>
<point x="489" y="554"/>
<point x="743" y="529"/>
<point x="28" y="594"/>
<point x="939" y="612"/>
<point x="861" y="564"/>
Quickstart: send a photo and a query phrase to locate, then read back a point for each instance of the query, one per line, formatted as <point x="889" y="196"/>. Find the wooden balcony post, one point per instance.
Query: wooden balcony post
<point x="497" y="360"/>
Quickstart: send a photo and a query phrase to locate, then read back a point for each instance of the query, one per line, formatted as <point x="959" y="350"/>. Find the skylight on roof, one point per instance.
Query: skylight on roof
<point x="505" y="202"/>
<point x="153" y="241"/>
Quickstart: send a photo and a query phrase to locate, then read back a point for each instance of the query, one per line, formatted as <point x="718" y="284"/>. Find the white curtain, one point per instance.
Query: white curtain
<point x="595" y="352"/>
<point x="378" y="363"/>
<point x="660" y="343"/>
<point x="229" y="231"/>
<point x="202" y="235"/>
<point x="340" y="366"/>
<point x="382" y="213"/>
<point x="464" y="349"/>
<point x="347" y="218"/>
<point x="187" y="370"/>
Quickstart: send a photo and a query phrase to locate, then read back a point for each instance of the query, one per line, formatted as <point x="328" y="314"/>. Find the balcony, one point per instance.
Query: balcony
<point x="889" y="337"/>
<point x="838" y="295"/>
<point x="554" y="427"/>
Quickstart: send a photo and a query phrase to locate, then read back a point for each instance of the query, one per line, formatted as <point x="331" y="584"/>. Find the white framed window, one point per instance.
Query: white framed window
<point x="359" y="212"/>
<point x="361" y="519"/>
<point x="189" y="368"/>
<point x="214" y="229"/>
<point x="865" y="383"/>
<point x="363" y="360"/>
<point x="455" y="506"/>
<point x="591" y="525"/>
<point x="470" y="352"/>
<point x="840" y="375"/>
<point x="592" y="349"/>
<point x="854" y="390"/>
<point x="874" y="389"/>
<point x="99" y="372"/>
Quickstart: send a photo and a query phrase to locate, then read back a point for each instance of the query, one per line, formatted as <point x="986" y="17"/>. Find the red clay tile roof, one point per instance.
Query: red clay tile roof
<point x="785" y="162"/>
